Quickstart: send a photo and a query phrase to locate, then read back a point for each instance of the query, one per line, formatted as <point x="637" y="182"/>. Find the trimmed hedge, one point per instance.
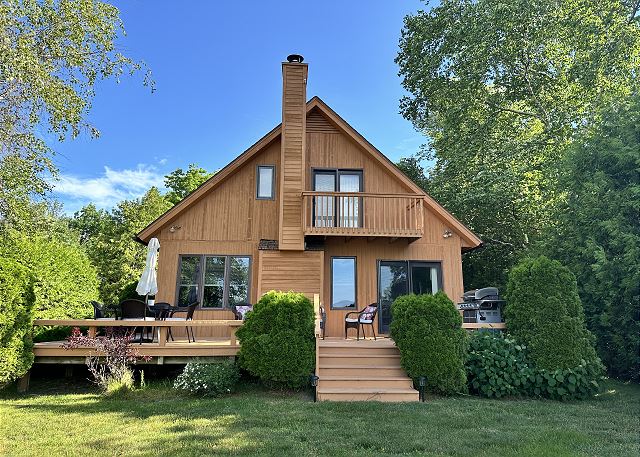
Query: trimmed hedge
<point x="16" y="320"/>
<point x="499" y="366"/>
<point x="277" y="343"/>
<point x="544" y="312"/>
<point x="427" y="330"/>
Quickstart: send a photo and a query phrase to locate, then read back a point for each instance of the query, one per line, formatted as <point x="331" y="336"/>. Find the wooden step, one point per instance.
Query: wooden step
<point x="359" y="350"/>
<point x="368" y="394"/>
<point x="384" y="360"/>
<point x="347" y="369"/>
<point x="365" y="382"/>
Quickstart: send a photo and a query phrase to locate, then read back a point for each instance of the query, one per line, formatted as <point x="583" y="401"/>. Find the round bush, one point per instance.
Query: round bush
<point x="208" y="379"/>
<point x="544" y="312"/>
<point x="427" y="330"/>
<point x="497" y="366"/>
<point x="277" y="342"/>
<point x="16" y="321"/>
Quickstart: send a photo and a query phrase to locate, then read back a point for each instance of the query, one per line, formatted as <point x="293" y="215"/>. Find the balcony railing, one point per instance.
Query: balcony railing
<point x="363" y="214"/>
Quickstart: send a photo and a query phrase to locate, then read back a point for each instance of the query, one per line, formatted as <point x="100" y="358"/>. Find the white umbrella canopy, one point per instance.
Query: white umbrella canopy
<point x="148" y="284"/>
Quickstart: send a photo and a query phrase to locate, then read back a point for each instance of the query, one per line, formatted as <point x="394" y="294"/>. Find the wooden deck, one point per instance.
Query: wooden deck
<point x="162" y="351"/>
<point x="179" y="351"/>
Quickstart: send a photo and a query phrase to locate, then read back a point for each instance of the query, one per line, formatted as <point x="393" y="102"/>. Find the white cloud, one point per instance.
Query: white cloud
<point x="107" y="190"/>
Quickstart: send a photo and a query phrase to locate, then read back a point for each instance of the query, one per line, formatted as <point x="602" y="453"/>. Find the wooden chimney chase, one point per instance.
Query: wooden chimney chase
<point x="294" y="99"/>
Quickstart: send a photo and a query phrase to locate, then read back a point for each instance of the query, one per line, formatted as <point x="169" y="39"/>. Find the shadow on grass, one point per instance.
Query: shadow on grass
<point x="159" y="421"/>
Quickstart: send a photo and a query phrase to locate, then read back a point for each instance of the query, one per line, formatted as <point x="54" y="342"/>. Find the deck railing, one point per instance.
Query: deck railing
<point x="162" y="326"/>
<point x="363" y="214"/>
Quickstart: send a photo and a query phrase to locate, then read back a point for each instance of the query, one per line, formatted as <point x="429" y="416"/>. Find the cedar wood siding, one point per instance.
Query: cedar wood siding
<point x="230" y="220"/>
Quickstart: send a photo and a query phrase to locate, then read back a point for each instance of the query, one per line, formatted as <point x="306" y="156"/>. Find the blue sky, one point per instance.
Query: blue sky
<point x="218" y="87"/>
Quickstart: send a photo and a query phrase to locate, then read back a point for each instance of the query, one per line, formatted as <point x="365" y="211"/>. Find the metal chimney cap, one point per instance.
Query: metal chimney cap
<point x="295" y="58"/>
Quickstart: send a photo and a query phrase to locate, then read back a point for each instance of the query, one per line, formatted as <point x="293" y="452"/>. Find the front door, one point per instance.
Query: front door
<point x="400" y="277"/>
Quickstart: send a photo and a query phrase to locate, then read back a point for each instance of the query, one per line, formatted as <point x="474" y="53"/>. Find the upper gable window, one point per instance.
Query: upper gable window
<point x="265" y="186"/>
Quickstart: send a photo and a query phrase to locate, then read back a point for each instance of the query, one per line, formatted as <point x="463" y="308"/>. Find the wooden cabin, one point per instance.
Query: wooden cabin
<point x="311" y="207"/>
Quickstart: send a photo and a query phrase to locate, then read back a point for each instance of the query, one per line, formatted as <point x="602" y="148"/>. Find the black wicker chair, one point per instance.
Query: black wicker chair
<point x="98" y="310"/>
<point x="190" y="310"/>
<point x="367" y="316"/>
<point x="134" y="309"/>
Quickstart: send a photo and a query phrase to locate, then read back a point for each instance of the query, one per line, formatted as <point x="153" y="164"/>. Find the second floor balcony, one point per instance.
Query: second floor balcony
<point x="363" y="214"/>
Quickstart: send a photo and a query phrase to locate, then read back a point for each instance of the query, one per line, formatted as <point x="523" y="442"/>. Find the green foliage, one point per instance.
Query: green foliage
<point x="107" y="236"/>
<point x="576" y="383"/>
<point x="545" y="313"/>
<point x="497" y="366"/>
<point x="277" y="343"/>
<point x="181" y="183"/>
<point x="129" y="291"/>
<point x="208" y="379"/>
<point x="64" y="281"/>
<point x="52" y="55"/>
<point x="598" y="234"/>
<point x="16" y="320"/>
<point x="427" y="330"/>
<point x="119" y="383"/>
<point x="502" y="89"/>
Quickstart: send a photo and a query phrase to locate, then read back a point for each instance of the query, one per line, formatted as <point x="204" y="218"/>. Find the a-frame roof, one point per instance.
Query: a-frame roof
<point x="469" y="238"/>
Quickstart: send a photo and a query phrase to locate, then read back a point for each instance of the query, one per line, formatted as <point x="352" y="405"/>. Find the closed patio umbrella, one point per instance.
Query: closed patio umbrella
<point x="148" y="284"/>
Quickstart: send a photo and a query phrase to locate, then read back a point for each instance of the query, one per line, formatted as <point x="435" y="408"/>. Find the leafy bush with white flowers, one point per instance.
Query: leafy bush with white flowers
<point x="208" y="379"/>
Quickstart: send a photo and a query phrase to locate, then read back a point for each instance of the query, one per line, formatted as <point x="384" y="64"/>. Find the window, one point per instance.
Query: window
<point x="265" y="186"/>
<point x="343" y="282"/>
<point x="214" y="281"/>
<point x="337" y="211"/>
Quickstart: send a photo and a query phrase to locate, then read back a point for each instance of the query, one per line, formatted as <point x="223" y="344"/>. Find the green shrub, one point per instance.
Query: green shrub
<point x="208" y="379"/>
<point x="544" y="312"/>
<point x="427" y="330"/>
<point x="64" y="282"/>
<point x="497" y="366"/>
<point x="16" y="321"/>
<point x="277" y="342"/>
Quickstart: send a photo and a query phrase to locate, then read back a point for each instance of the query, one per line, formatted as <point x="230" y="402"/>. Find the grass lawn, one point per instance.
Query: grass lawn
<point x="156" y="421"/>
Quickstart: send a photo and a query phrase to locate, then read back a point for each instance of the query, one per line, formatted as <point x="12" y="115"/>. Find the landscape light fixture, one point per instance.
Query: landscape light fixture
<point x="314" y="383"/>
<point x="422" y="382"/>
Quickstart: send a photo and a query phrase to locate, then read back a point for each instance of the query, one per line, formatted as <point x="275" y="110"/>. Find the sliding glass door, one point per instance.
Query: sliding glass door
<point x="400" y="277"/>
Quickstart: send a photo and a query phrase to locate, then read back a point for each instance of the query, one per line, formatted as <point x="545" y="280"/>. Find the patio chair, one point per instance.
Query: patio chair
<point x="190" y="310"/>
<point x="365" y="317"/>
<point x="98" y="310"/>
<point x="134" y="309"/>
<point x="240" y="311"/>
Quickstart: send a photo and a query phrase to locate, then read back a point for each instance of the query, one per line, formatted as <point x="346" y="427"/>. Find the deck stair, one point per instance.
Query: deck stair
<point x="365" y="370"/>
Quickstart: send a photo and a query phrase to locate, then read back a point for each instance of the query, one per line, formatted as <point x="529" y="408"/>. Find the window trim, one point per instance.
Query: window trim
<point x="200" y="279"/>
<point x="273" y="182"/>
<point x="355" y="285"/>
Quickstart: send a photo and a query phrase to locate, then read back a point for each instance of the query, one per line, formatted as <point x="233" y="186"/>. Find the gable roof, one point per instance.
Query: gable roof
<point x="470" y="239"/>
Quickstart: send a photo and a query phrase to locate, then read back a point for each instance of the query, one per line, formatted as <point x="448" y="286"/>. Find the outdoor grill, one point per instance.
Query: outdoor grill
<point x="481" y="306"/>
